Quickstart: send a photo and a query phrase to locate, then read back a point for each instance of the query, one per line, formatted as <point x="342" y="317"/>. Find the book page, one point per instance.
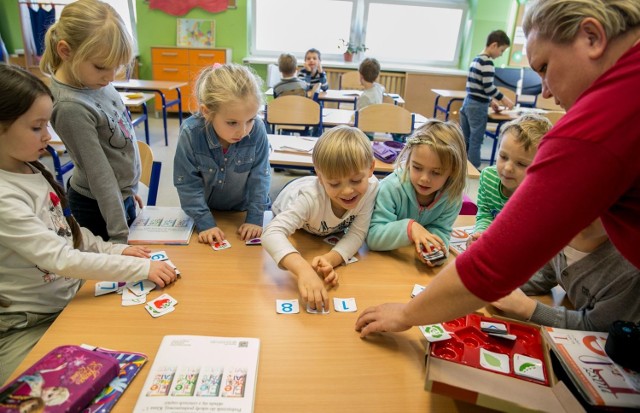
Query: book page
<point x="600" y="380"/>
<point x="161" y="225"/>
<point x="201" y="373"/>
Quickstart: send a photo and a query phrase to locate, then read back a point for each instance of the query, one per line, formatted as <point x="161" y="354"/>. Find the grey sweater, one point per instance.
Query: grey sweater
<point x="603" y="287"/>
<point x="96" y="129"/>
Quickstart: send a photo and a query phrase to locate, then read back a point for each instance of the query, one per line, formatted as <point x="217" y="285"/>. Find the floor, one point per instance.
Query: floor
<point x="167" y="194"/>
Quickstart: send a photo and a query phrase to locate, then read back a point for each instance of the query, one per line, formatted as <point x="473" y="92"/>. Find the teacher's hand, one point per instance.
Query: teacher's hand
<point x="382" y="318"/>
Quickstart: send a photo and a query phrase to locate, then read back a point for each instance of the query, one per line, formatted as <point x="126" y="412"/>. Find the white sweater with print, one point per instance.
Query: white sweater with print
<point x="40" y="271"/>
<point x="303" y="203"/>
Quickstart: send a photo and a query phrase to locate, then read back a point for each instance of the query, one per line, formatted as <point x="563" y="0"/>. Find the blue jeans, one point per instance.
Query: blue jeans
<point x="87" y="212"/>
<point x="473" y="120"/>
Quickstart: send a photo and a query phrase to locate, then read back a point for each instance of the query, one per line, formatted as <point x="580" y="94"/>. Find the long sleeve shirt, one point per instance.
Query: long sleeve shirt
<point x="480" y="79"/>
<point x="586" y="167"/>
<point x="491" y="199"/>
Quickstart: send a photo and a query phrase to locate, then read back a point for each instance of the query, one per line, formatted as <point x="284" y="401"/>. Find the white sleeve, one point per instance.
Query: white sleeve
<point x="275" y="238"/>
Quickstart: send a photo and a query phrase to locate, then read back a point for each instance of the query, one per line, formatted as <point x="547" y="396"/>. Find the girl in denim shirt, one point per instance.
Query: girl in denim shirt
<point x="222" y="158"/>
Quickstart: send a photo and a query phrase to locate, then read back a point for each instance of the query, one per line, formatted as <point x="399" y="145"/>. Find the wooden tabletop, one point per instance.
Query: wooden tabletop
<point x="135" y="99"/>
<point x="308" y="362"/>
<point x="139" y="84"/>
<point x="454" y="94"/>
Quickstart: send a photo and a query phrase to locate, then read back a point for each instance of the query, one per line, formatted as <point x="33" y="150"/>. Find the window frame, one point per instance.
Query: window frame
<point x="358" y="31"/>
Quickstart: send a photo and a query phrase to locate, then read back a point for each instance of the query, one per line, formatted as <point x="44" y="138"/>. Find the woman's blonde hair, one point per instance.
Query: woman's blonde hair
<point x="342" y="151"/>
<point x="527" y="130"/>
<point x="446" y="140"/>
<point x="93" y="30"/>
<point x="559" y="20"/>
<point x="219" y="84"/>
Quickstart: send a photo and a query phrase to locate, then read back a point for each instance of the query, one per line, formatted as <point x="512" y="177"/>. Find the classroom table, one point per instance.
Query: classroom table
<point x="131" y="100"/>
<point x="159" y="87"/>
<point x="453" y="95"/>
<point x="334" y="117"/>
<point x="343" y="96"/>
<point x="280" y="159"/>
<point x="308" y="362"/>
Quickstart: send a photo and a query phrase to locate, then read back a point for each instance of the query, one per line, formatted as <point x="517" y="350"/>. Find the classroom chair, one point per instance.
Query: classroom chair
<point x="350" y="80"/>
<point x="56" y="150"/>
<point x="468" y="206"/>
<point x="386" y="98"/>
<point x="294" y="114"/>
<point x="150" y="171"/>
<point x="384" y="118"/>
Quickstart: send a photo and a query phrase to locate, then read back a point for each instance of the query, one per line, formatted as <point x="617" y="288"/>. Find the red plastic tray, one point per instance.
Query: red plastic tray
<point x="468" y="339"/>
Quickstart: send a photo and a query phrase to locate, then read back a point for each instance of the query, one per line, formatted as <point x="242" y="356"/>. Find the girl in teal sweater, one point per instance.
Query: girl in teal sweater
<point x="418" y="203"/>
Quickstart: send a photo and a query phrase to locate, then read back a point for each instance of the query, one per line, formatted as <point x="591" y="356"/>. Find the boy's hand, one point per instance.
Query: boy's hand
<point x="138" y="200"/>
<point x="516" y="304"/>
<point x="161" y="273"/>
<point x="249" y="231"/>
<point x="495" y="106"/>
<point x="137" y="251"/>
<point x="319" y="68"/>
<point x="325" y="270"/>
<point x="473" y="238"/>
<point x="211" y="236"/>
<point x="507" y="102"/>
<point x="312" y="290"/>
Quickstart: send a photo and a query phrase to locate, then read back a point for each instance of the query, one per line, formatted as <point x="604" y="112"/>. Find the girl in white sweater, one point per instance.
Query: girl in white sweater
<point x="44" y="253"/>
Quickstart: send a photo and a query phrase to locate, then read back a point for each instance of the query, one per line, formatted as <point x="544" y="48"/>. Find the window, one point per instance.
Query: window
<point x="394" y="31"/>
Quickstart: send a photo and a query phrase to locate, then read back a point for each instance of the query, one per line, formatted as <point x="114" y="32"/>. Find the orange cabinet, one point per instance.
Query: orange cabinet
<point x="183" y="64"/>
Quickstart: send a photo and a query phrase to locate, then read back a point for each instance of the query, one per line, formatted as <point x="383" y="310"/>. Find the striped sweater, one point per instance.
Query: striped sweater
<point x="491" y="200"/>
<point x="480" y="79"/>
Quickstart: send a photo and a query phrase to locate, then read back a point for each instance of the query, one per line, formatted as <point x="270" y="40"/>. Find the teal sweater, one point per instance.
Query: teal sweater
<point x="396" y="205"/>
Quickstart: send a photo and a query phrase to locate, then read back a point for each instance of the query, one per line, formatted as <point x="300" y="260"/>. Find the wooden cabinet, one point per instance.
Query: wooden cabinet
<point x="183" y="64"/>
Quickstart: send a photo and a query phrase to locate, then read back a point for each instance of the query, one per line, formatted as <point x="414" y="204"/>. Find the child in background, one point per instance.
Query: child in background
<point x="480" y="91"/>
<point x="42" y="248"/>
<point x="340" y="197"/>
<point x="418" y="203"/>
<point x="312" y="72"/>
<point x="369" y="71"/>
<point x="519" y="140"/>
<point x="601" y="285"/>
<point x="222" y="158"/>
<point x="84" y="50"/>
<point x="290" y="84"/>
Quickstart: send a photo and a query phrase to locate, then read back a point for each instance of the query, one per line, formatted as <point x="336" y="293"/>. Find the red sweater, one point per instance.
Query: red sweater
<point x="587" y="166"/>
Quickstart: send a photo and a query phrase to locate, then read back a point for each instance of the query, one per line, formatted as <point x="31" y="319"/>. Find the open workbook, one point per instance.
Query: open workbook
<point x="202" y="373"/>
<point x="161" y="225"/>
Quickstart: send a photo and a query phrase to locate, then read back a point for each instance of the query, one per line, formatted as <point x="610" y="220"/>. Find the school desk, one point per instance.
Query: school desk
<point x="159" y="87"/>
<point x="308" y="362"/>
<point x="342" y="96"/>
<point x="278" y="159"/>
<point x="453" y="95"/>
<point x="131" y="100"/>
<point x="335" y="117"/>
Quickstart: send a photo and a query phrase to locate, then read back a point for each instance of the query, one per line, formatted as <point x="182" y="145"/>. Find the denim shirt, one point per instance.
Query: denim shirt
<point x="206" y="178"/>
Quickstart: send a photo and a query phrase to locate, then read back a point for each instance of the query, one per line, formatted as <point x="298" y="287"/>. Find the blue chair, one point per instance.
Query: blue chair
<point x="59" y="167"/>
<point x="150" y="172"/>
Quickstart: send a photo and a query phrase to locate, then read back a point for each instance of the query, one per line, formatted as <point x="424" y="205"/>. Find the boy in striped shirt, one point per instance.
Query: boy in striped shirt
<point x="480" y="92"/>
<point x="519" y="142"/>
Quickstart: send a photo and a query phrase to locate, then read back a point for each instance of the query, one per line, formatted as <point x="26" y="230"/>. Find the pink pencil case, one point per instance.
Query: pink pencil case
<point x="65" y="380"/>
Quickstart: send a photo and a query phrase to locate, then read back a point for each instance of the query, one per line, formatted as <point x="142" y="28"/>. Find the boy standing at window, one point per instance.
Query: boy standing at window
<point x="289" y="84"/>
<point x="480" y="91"/>
<point x="369" y="71"/>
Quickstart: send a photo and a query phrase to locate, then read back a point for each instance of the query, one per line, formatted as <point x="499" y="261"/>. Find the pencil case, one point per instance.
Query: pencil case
<point x="66" y="380"/>
<point x="387" y="151"/>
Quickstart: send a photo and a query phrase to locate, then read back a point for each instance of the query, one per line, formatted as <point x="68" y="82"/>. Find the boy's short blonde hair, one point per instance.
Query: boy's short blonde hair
<point x="342" y="151"/>
<point x="219" y="84"/>
<point x="287" y="64"/>
<point x="369" y="69"/>
<point x="527" y="130"/>
<point x="93" y="30"/>
<point x="447" y="141"/>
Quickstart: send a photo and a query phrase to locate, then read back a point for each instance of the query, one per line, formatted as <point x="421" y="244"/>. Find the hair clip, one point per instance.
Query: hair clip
<point x="66" y="212"/>
<point x="216" y="65"/>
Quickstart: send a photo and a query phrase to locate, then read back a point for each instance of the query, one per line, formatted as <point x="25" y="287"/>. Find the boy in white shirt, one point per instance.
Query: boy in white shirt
<point x="340" y="197"/>
<point x="373" y="92"/>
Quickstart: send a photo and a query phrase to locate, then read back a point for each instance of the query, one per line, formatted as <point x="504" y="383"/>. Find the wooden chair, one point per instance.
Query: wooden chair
<point x="294" y="114"/>
<point x="150" y="172"/>
<point x="385" y="118"/>
<point x="351" y="80"/>
<point x="388" y="99"/>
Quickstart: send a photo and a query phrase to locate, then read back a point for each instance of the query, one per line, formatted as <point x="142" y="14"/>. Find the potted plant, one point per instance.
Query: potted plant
<point x="350" y="49"/>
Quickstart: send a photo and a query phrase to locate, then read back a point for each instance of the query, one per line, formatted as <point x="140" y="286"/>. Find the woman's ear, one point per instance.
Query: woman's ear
<point x="594" y="37"/>
<point x="64" y="50"/>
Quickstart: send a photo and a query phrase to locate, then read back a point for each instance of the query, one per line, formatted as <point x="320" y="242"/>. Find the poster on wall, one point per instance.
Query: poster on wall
<point x="196" y="33"/>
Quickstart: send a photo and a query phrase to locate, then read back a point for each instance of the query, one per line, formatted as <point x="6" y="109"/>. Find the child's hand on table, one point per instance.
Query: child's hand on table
<point x="423" y="238"/>
<point x="137" y="251"/>
<point x="325" y="270"/>
<point x="473" y="237"/>
<point x="312" y="289"/>
<point x="211" y="236"/>
<point x="161" y="273"/>
<point x="249" y="231"/>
